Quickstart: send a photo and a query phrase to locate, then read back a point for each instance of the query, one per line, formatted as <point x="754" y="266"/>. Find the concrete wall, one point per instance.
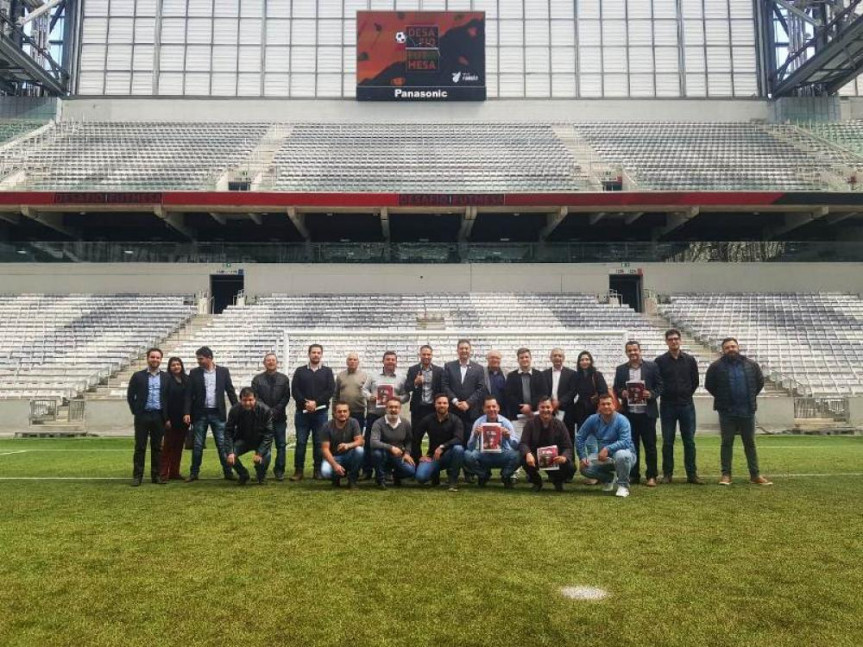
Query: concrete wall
<point x="106" y="278"/>
<point x="14" y="415"/>
<point x="855" y="409"/>
<point x="108" y="415"/>
<point x="341" y="110"/>
<point x="774" y="413"/>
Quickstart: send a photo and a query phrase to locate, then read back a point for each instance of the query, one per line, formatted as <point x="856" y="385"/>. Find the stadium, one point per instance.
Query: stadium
<point x="259" y="177"/>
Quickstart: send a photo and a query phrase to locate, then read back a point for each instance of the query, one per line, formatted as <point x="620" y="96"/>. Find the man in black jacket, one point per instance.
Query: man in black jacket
<point x="544" y="430"/>
<point x="249" y="428"/>
<point x="560" y="385"/>
<point x="148" y="402"/>
<point x="423" y="382"/>
<point x="735" y="381"/>
<point x="313" y="386"/>
<point x="640" y="408"/>
<point x="273" y="389"/>
<point x="205" y="407"/>
<point x="523" y="389"/>
<point x="679" y="372"/>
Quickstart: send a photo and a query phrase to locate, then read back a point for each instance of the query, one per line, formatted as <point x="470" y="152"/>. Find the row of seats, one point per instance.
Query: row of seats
<point x="467" y="157"/>
<point x="810" y="342"/>
<point x="57" y="346"/>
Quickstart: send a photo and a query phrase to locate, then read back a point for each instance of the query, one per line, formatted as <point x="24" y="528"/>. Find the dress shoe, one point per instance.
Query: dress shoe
<point x="136" y="481"/>
<point x="317" y="475"/>
<point x="298" y="476"/>
<point x="667" y="479"/>
<point x="279" y="476"/>
<point x="650" y="483"/>
<point x="760" y="480"/>
<point x="694" y="480"/>
<point x="262" y="481"/>
<point x="244" y="478"/>
<point x="230" y="477"/>
<point x="725" y="480"/>
<point x="537" y="486"/>
<point x="558" y="486"/>
<point x="482" y="480"/>
<point x="159" y="481"/>
<point x="191" y="478"/>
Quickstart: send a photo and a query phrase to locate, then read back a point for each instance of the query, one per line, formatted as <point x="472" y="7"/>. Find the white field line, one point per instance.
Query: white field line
<point x="20" y="451"/>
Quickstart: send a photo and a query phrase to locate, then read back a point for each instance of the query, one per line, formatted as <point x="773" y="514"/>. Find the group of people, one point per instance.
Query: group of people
<point x="559" y="421"/>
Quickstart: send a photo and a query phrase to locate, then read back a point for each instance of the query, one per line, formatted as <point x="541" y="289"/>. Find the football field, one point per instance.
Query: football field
<point x="89" y="560"/>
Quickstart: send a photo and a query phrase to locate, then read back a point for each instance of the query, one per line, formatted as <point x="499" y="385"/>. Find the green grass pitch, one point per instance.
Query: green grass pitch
<point x="97" y="562"/>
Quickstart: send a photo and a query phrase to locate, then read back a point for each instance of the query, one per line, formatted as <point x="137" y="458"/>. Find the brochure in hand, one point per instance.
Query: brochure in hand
<point x="546" y="456"/>
<point x="490" y="436"/>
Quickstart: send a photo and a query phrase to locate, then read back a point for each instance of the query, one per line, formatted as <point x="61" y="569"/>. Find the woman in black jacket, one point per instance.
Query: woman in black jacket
<point x="175" y="428"/>
<point x="590" y="384"/>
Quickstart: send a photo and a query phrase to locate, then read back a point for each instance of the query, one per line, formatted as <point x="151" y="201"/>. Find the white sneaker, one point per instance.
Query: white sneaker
<point x="609" y="487"/>
<point x="622" y="492"/>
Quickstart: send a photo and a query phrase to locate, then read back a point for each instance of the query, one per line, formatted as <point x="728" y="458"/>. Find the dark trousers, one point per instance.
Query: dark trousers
<point x="671" y="415"/>
<point x="564" y="473"/>
<point x="148" y="425"/>
<point x="643" y="430"/>
<point x="417" y="441"/>
<point x="308" y="424"/>
<point x="240" y="448"/>
<point x="368" y="457"/>
<point x="730" y="426"/>
<point x="172" y="450"/>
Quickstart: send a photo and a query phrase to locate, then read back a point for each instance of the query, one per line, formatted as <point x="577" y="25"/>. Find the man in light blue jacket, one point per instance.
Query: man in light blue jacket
<point x="616" y="452"/>
<point x="480" y="462"/>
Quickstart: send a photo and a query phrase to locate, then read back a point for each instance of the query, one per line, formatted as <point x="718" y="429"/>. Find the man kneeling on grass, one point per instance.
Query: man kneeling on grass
<point x="545" y="444"/>
<point x="391" y="444"/>
<point x="342" y="447"/>
<point x="446" y="445"/>
<point x="480" y="460"/>
<point x="616" y="454"/>
<point x="249" y="426"/>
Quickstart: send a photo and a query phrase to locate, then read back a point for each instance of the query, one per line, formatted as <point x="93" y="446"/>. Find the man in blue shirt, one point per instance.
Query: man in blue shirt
<point x="147" y="398"/>
<point x="507" y="460"/>
<point x="616" y="452"/>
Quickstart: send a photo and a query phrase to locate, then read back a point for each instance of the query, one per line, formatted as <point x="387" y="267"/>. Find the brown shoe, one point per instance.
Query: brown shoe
<point x="591" y="481"/>
<point x="760" y="480"/>
<point x="650" y="483"/>
<point x="298" y="476"/>
<point x="725" y="480"/>
<point x="667" y="479"/>
<point x="694" y="480"/>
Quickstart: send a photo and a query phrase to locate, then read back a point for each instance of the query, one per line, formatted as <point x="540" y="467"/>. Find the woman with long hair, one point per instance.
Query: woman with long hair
<point x="590" y="384"/>
<point x="175" y="428"/>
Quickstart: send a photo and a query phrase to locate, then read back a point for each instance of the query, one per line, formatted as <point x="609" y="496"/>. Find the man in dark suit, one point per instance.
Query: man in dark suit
<point x="561" y="387"/>
<point x="524" y="387"/>
<point x="463" y="382"/>
<point x="205" y="407"/>
<point x="639" y="406"/>
<point x="147" y="396"/>
<point x="249" y="428"/>
<point x="422" y="383"/>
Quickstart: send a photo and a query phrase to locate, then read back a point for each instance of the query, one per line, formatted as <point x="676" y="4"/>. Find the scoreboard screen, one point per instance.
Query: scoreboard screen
<point x="421" y="55"/>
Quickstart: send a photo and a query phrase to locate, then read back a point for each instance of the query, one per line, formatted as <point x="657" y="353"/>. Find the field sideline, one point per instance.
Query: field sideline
<point x="96" y="562"/>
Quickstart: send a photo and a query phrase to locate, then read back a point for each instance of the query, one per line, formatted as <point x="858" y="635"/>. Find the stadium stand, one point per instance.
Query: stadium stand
<point x="848" y="134"/>
<point x="811" y="343"/>
<point x="12" y="129"/>
<point x="470" y="157"/>
<point x="55" y="346"/>
<point x="242" y="335"/>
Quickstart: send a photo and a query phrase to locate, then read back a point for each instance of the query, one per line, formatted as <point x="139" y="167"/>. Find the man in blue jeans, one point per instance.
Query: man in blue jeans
<point x="616" y="455"/>
<point x="391" y="443"/>
<point x="342" y="447"/>
<point x="312" y="387"/>
<point x="205" y="407"/>
<point x="507" y="460"/>
<point x="679" y="372"/>
<point x="446" y="445"/>
<point x="249" y="428"/>
<point x="273" y="389"/>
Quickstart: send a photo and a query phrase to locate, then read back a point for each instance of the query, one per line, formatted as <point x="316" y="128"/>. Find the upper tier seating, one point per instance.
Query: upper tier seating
<point x="58" y="346"/>
<point x="811" y="342"/>
<point x="241" y="336"/>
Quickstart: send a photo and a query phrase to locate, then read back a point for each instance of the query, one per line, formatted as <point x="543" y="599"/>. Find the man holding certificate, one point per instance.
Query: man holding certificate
<point x="378" y="389"/>
<point x="492" y="444"/>
<point x="638" y="384"/>
<point x="545" y="444"/>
